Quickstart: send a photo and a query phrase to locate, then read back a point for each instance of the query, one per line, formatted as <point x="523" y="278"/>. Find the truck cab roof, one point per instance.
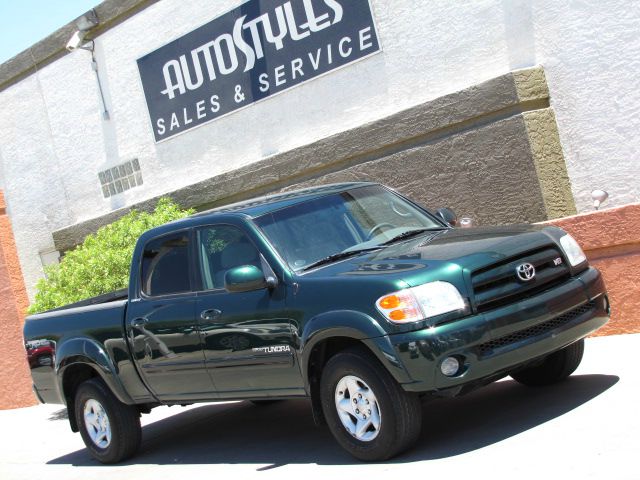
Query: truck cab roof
<point x="256" y="207"/>
<point x="259" y="206"/>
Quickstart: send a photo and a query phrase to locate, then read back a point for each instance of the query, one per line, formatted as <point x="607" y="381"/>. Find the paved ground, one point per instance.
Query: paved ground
<point x="587" y="427"/>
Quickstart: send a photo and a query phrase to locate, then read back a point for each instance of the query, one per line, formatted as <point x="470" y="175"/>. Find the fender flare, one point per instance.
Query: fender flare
<point x="87" y="351"/>
<point x="355" y="325"/>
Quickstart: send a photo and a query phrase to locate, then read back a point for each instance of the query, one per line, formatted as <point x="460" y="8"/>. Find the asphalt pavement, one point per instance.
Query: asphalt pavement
<point x="587" y="427"/>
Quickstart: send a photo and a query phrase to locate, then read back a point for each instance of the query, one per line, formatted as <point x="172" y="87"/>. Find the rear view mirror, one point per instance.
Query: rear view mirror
<point x="448" y="216"/>
<point x="244" y="279"/>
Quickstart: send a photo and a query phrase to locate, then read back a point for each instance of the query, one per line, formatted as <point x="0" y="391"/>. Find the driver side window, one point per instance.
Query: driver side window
<point x="221" y="248"/>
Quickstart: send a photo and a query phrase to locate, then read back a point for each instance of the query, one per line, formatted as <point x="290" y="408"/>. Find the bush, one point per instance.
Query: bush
<point x="101" y="264"/>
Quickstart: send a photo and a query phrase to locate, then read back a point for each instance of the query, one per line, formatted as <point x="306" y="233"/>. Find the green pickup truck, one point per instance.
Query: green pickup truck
<point x="349" y="294"/>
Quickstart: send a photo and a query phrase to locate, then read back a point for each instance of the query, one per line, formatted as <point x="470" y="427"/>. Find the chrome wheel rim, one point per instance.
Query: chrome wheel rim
<point x="97" y="424"/>
<point x="358" y="408"/>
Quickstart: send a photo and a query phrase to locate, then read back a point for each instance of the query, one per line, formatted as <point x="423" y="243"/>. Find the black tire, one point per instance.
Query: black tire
<point x="554" y="368"/>
<point x="124" y="422"/>
<point x="45" y="360"/>
<point x="400" y="411"/>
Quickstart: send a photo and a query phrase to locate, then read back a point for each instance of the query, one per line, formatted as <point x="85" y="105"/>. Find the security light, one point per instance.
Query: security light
<point x="84" y="23"/>
<point x="76" y="41"/>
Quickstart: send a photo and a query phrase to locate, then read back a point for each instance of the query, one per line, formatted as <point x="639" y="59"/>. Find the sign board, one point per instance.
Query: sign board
<point x="261" y="48"/>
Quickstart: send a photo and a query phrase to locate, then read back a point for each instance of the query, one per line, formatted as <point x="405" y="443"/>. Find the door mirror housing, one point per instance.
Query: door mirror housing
<point x="448" y="216"/>
<point x="244" y="279"/>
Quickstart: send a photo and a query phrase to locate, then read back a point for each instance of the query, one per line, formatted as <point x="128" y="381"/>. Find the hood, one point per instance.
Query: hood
<point x="429" y="256"/>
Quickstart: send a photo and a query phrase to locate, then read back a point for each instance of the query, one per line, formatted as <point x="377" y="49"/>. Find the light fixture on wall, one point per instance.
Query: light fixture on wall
<point x="599" y="197"/>
<point x="77" y="41"/>
<point x="466" y="222"/>
<point x="84" y="23"/>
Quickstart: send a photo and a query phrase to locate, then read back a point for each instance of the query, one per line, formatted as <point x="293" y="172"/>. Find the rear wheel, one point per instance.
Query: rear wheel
<point x="368" y="413"/>
<point x="110" y="429"/>
<point x="554" y="368"/>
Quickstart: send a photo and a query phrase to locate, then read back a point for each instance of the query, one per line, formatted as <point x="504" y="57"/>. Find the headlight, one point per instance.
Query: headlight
<point x="421" y="302"/>
<point x="574" y="253"/>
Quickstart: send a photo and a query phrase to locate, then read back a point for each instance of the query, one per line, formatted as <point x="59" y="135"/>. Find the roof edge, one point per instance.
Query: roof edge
<point x="110" y="13"/>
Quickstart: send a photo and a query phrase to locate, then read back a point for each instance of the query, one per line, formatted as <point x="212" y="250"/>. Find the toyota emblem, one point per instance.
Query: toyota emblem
<point x="526" y="272"/>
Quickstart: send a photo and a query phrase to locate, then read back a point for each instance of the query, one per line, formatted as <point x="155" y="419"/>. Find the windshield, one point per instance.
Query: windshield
<point x="360" y="218"/>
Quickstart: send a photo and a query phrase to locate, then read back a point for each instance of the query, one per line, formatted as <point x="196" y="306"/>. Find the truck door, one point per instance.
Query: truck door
<point x="161" y="325"/>
<point x="247" y="336"/>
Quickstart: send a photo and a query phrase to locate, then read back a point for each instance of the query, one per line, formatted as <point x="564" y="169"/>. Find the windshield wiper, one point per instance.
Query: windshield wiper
<point x="340" y="256"/>
<point x="350" y="253"/>
<point x="412" y="233"/>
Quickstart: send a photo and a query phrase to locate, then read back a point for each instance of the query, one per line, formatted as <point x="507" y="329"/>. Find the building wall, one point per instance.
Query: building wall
<point x="490" y="151"/>
<point x="15" y="381"/>
<point x="591" y="53"/>
<point x="611" y="241"/>
<point x="55" y="140"/>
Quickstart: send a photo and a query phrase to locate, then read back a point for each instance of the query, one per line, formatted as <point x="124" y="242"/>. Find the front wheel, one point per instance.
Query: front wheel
<point x="368" y="413"/>
<point x="554" y="368"/>
<point x="110" y="429"/>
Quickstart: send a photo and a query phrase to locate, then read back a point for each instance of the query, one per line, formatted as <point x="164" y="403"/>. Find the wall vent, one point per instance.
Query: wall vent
<point x="122" y="177"/>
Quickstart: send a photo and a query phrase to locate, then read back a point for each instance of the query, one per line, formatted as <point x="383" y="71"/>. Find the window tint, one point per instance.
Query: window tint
<point x="223" y="247"/>
<point x="358" y="218"/>
<point x="312" y="230"/>
<point x="165" y="265"/>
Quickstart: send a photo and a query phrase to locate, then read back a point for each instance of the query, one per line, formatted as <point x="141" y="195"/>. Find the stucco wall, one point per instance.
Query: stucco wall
<point x="611" y="241"/>
<point x="15" y="381"/>
<point x="591" y="53"/>
<point x="497" y="139"/>
<point x="55" y="140"/>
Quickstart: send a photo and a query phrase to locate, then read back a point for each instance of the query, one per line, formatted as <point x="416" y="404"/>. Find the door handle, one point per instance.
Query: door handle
<point x="210" y="314"/>
<point x="139" y="322"/>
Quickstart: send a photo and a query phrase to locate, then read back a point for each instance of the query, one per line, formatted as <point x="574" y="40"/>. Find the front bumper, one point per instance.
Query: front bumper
<point x="498" y="341"/>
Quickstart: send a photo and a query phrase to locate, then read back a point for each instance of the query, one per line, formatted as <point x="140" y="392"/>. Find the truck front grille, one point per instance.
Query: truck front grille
<point x="540" y="329"/>
<point x="498" y="284"/>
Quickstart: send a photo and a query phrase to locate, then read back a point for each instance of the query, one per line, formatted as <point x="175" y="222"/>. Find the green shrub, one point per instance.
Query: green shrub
<point x="101" y="264"/>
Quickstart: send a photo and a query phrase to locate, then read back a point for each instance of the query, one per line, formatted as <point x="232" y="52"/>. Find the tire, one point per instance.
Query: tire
<point x="122" y="423"/>
<point x="554" y="368"/>
<point x="399" y="419"/>
<point x="45" y="360"/>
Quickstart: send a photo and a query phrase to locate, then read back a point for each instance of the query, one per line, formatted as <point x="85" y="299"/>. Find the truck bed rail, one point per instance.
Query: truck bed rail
<point x="104" y="298"/>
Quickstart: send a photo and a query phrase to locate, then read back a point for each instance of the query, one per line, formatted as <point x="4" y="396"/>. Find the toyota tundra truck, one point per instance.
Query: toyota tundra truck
<point x="350" y="295"/>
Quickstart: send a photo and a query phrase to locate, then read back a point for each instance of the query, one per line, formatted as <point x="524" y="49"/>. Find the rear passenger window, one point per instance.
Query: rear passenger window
<point x="165" y="265"/>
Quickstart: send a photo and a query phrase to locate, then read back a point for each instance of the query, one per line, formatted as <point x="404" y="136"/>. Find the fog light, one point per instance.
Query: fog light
<point x="450" y="366"/>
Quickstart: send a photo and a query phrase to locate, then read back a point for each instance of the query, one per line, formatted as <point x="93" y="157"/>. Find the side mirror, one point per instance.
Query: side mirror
<point x="448" y="216"/>
<point x="244" y="279"/>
